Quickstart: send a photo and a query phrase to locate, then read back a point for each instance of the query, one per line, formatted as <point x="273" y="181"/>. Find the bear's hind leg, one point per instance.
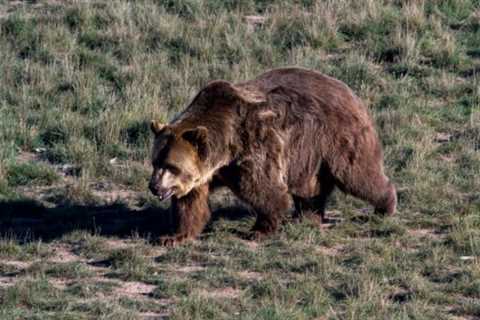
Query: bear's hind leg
<point x="315" y="206"/>
<point x="301" y="205"/>
<point x="320" y="201"/>
<point x="372" y="186"/>
<point x="387" y="204"/>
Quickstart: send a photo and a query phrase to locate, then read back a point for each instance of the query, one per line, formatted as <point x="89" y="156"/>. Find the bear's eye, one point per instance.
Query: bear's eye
<point x="173" y="169"/>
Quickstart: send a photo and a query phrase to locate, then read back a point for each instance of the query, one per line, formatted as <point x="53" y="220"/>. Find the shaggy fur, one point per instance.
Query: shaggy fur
<point x="289" y="134"/>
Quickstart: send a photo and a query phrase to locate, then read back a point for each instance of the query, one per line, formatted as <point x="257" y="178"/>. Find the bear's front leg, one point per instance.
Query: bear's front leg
<point x="191" y="214"/>
<point x="265" y="191"/>
<point x="270" y="205"/>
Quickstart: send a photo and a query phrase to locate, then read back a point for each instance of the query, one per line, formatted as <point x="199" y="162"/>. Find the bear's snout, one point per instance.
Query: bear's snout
<point x="161" y="193"/>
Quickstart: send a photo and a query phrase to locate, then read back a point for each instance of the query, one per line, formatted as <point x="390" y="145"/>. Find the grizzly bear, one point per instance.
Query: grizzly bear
<point x="290" y="134"/>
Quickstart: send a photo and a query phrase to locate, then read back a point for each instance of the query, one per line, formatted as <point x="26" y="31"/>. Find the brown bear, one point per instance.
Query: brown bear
<point x="291" y="133"/>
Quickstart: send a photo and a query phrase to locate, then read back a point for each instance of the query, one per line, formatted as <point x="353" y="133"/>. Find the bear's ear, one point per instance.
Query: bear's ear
<point x="222" y="88"/>
<point x="198" y="137"/>
<point x="156" y="126"/>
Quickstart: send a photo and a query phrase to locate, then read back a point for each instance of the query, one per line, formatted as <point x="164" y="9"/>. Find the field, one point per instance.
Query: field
<point x="79" y="83"/>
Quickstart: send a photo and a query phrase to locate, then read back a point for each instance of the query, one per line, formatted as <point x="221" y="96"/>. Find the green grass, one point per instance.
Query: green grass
<point x="30" y="174"/>
<point x="80" y="83"/>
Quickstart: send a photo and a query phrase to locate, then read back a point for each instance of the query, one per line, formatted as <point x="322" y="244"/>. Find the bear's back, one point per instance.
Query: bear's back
<point x="332" y="101"/>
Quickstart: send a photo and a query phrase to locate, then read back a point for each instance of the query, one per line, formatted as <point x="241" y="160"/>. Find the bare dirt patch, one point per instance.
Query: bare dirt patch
<point x="330" y="251"/>
<point x="153" y="315"/>
<point x="116" y="195"/>
<point x="120" y="244"/>
<point x="250" y="275"/>
<point x="6" y="282"/>
<point x="424" y="233"/>
<point x="18" y="264"/>
<point x="189" y="269"/>
<point x="117" y="244"/>
<point x="134" y="289"/>
<point x="27" y="157"/>
<point x="447" y="158"/>
<point x="443" y="137"/>
<point x="12" y="6"/>
<point x="251" y="245"/>
<point x="63" y="254"/>
<point x="224" y="293"/>
<point x="130" y="289"/>
<point x="60" y="283"/>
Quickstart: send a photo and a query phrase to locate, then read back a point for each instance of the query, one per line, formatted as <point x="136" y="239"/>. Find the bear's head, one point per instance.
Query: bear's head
<point x="179" y="155"/>
<point x="178" y="159"/>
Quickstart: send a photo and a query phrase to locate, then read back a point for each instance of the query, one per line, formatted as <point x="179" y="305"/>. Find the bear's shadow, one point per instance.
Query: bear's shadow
<point x="29" y="220"/>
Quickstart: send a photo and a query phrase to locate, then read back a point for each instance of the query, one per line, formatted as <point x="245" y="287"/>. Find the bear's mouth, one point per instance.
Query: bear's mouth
<point x="162" y="193"/>
<point x="165" y="194"/>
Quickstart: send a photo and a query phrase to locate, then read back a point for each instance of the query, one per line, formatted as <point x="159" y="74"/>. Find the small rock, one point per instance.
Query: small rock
<point x="443" y="137"/>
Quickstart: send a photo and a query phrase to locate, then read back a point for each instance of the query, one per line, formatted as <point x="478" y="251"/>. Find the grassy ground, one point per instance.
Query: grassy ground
<point x="79" y="82"/>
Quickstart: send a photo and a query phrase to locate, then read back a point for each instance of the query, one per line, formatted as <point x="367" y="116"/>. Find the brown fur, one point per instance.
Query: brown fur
<point x="290" y="133"/>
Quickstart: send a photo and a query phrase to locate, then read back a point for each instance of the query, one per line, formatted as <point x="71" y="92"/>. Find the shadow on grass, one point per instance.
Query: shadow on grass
<point x="30" y="220"/>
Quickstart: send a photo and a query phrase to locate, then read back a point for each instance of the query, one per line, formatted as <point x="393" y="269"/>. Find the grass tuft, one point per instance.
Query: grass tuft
<point x="24" y="174"/>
